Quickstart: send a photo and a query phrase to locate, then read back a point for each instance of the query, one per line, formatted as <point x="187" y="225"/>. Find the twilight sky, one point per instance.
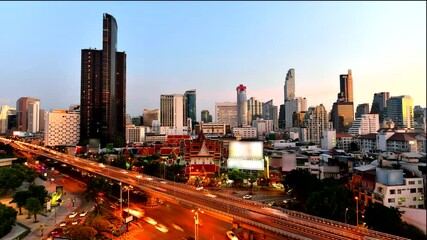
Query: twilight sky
<point x="215" y="46"/>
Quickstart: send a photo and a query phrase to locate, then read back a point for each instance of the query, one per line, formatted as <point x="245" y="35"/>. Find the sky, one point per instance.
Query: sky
<point x="213" y="47"/>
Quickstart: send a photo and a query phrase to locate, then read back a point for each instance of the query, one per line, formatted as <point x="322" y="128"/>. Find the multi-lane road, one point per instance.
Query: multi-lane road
<point x="273" y="222"/>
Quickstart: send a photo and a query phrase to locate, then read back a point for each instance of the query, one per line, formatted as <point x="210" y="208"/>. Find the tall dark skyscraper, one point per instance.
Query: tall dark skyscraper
<point x="379" y="104"/>
<point x="103" y="90"/>
<point x="342" y="114"/>
<point x="190" y="104"/>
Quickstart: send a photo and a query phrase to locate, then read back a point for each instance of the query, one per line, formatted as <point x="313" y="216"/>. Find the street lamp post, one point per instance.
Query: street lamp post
<point x="357" y="211"/>
<point x="345" y="215"/>
<point x="121" y="200"/>
<point x="196" y="223"/>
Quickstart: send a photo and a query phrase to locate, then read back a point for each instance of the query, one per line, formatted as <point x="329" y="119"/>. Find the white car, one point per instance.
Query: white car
<point x="83" y="213"/>
<point x="162" y="228"/>
<point x="150" y="220"/>
<point x="76" y="221"/>
<point x="247" y="196"/>
<point x="231" y="235"/>
<point x="63" y="224"/>
<point x="177" y="227"/>
<point x="72" y="215"/>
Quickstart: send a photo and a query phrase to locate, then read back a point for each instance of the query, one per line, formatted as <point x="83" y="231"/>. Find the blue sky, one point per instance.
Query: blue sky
<point x="215" y="46"/>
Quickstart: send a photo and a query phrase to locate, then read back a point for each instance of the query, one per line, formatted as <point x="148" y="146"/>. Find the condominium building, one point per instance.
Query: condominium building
<point x="400" y="109"/>
<point x="367" y="123"/>
<point x="292" y="106"/>
<point x="149" y="116"/>
<point x="269" y="112"/>
<point x="379" y="105"/>
<point x="314" y="123"/>
<point x="362" y="109"/>
<point x="245" y="132"/>
<point x="135" y="134"/>
<point x="254" y="109"/>
<point x="62" y="128"/>
<point x="172" y="112"/>
<point x="28" y="110"/>
<point x="5" y="111"/>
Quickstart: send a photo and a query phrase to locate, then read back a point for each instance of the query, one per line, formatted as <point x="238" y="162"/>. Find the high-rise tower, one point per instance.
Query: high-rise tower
<point x="190" y="104"/>
<point x="290" y="85"/>
<point x="346" y="87"/>
<point x="342" y="114"/>
<point x="400" y="109"/>
<point x="103" y="90"/>
<point x="27" y="111"/>
<point x="242" y="110"/>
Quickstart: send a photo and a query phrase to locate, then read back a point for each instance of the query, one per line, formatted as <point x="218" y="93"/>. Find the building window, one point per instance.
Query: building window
<point x="420" y="181"/>
<point x="392" y="191"/>
<point x="420" y="190"/>
<point x="411" y="182"/>
<point x="401" y="199"/>
<point x="399" y="191"/>
<point x="391" y="200"/>
<point x="413" y="190"/>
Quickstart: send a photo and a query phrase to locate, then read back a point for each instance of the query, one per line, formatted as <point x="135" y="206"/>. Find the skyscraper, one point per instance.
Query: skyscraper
<point x="342" y="114"/>
<point x="254" y="109"/>
<point x="226" y="112"/>
<point x="314" y="123"/>
<point x="103" y="90"/>
<point x="290" y="85"/>
<point x="190" y="104"/>
<point x="401" y="110"/>
<point x="172" y="112"/>
<point x="27" y="111"/>
<point x="379" y="105"/>
<point x="205" y="116"/>
<point x="269" y="112"/>
<point x="5" y="111"/>
<point x="362" y="109"/>
<point x="346" y="87"/>
<point x="242" y="110"/>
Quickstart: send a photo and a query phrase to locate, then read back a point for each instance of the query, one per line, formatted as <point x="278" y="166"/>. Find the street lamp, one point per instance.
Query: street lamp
<point x="196" y="223"/>
<point x="345" y="215"/>
<point x="121" y="200"/>
<point x="357" y="211"/>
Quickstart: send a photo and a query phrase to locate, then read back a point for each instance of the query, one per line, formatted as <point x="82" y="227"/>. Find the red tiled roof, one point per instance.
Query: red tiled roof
<point x="168" y="151"/>
<point x="199" y="168"/>
<point x="369" y="136"/>
<point x="343" y="135"/>
<point x="146" y="151"/>
<point x="401" y="137"/>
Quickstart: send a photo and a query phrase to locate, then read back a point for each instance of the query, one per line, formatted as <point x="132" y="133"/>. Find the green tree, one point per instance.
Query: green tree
<point x="95" y="188"/>
<point x="389" y="222"/>
<point x="251" y="179"/>
<point x="100" y="224"/>
<point x="29" y="174"/>
<point x="34" y="207"/>
<point x="20" y="198"/>
<point x="10" y="178"/>
<point x="302" y="183"/>
<point x="7" y="219"/>
<point x="80" y="232"/>
<point x="237" y="176"/>
<point x="38" y="192"/>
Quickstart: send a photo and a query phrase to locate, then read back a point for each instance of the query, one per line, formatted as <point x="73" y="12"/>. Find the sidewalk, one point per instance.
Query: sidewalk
<point x="46" y="219"/>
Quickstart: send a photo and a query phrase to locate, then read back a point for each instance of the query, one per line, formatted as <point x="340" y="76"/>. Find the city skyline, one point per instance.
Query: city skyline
<point x="172" y="47"/>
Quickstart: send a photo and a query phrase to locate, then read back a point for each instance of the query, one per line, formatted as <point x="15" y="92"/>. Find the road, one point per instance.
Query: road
<point x="261" y="217"/>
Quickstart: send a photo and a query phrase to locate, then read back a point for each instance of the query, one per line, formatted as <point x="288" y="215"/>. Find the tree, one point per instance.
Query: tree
<point x="10" y="178"/>
<point x="251" y="179"/>
<point x="20" y="198"/>
<point x="34" y="207"/>
<point x="29" y="174"/>
<point x="38" y="192"/>
<point x="302" y="183"/>
<point x="7" y="219"/>
<point x="99" y="224"/>
<point x="80" y="232"/>
<point x="237" y="176"/>
<point x="389" y="222"/>
<point x="95" y="188"/>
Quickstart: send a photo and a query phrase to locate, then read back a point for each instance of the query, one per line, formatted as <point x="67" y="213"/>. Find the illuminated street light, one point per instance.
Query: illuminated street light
<point x="196" y="223"/>
<point x="345" y="215"/>
<point x="357" y="211"/>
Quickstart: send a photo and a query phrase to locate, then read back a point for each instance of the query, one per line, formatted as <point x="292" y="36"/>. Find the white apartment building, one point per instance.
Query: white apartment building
<point x="135" y="134"/>
<point x="409" y="194"/>
<point x="62" y="128"/>
<point x="172" y="112"/>
<point x="213" y="128"/>
<point x="262" y="126"/>
<point x="329" y="139"/>
<point x="367" y="123"/>
<point x="245" y="132"/>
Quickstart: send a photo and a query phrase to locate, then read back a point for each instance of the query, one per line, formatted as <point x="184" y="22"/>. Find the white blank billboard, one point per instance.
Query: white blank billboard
<point x="246" y="155"/>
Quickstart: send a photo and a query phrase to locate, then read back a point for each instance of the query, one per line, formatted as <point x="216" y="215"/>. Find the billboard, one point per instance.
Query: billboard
<point x="246" y="155"/>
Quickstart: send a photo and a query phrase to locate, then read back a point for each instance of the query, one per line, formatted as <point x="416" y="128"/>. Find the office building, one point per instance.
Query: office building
<point x="135" y="134"/>
<point x="103" y="90"/>
<point x="27" y="111"/>
<point x="242" y="109"/>
<point x="190" y="104"/>
<point x="269" y="112"/>
<point x="149" y="116"/>
<point x="297" y="104"/>
<point x="5" y="111"/>
<point x="62" y="128"/>
<point x="254" y="109"/>
<point x="379" y="105"/>
<point x="362" y="109"/>
<point x="367" y="123"/>
<point x="401" y="110"/>
<point x="172" y="112"/>
<point x="226" y="112"/>
<point x="346" y="87"/>
<point x="205" y="116"/>
<point x="289" y="87"/>
<point x="342" y="114"/>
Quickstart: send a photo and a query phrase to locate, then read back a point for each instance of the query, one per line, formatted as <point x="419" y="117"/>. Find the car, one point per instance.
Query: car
<point x="199" y="188"/>
<point x="72" y="215"/>
<point x="83" y="213"/>
<point x="139" y="176"/>
<point x="247" y="196"/>
<point x="162" y="228"/>
<point x="230" y="235"/>
<point x="150" y="220"/>
<point x="76" y="221"/>
<point x="63" y="224"/>
<point x="177" y="227"/>
<point x="272" y="204"/>
<point x="287" y="200"/>
<point x="56" y="232"/>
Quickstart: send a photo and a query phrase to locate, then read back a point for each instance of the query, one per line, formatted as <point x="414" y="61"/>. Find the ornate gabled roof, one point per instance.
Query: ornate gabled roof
<point x="204" y="151"/>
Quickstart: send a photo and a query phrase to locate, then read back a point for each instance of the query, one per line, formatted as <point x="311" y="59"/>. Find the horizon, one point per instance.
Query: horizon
<point x="215" y="46"/>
